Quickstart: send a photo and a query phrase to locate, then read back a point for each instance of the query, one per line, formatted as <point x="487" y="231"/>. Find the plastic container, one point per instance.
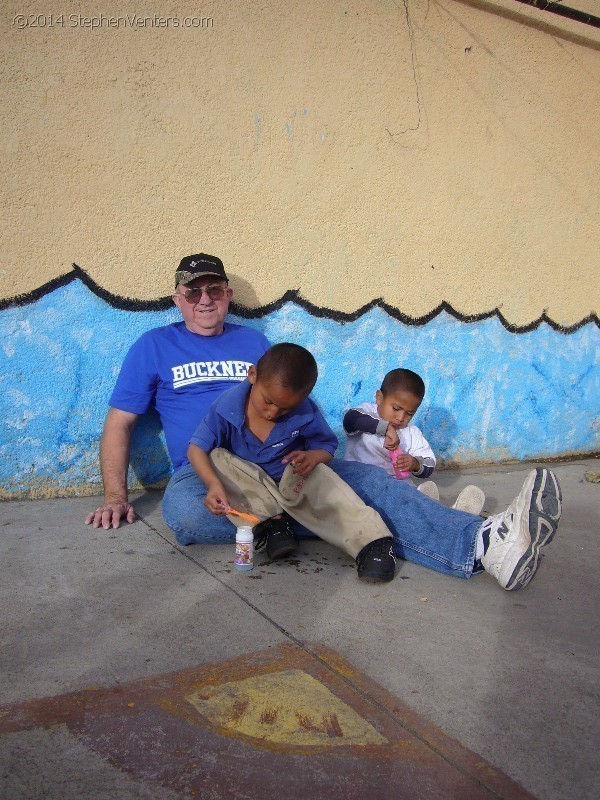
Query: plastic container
<point x="394" y="455"/>
<point x="244" y="548"/>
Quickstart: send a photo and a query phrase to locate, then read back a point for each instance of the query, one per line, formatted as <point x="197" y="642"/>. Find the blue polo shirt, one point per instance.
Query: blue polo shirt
<point x="302" y="428"/>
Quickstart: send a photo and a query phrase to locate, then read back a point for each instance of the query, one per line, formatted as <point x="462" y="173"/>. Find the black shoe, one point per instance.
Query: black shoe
<point x="277" y="535"/>
<point x="376" y="562"/>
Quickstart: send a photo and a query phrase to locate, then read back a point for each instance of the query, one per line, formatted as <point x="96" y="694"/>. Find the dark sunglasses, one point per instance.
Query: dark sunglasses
<point x="194" y="293"/>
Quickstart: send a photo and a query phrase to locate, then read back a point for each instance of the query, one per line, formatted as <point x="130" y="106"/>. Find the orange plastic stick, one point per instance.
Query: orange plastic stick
<point x="249" y="517"/>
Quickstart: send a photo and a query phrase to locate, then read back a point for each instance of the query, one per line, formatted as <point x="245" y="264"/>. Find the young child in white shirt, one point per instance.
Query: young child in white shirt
<point x="382" y="434"/>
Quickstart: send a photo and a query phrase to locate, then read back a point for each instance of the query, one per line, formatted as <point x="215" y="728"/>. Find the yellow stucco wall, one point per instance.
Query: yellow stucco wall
<point x="417" y="151"/>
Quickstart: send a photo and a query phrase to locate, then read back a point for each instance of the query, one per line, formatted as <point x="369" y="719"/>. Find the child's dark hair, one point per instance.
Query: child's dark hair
<point x="403" y="380"/>
<point x="290" y="364"/>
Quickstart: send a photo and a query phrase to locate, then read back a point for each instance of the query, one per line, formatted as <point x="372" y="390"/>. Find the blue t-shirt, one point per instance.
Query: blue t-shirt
<point x="302" y="428"/>
<point x="180" y="373"/>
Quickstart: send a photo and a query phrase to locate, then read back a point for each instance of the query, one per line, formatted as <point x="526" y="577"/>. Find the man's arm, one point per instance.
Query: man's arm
<point x="114" y="463"/>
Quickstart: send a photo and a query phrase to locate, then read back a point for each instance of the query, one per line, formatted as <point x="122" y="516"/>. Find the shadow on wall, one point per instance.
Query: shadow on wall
<point x="244" y="293"/>
<point x="439" y="428"/>
<point x="149" y="458"/>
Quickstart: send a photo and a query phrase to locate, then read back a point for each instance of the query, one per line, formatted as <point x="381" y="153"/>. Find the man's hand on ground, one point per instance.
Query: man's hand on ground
<point x="110" y="515"/>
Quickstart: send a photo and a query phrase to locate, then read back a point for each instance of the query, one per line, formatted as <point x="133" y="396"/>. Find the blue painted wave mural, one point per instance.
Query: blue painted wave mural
<point x="492" y="395"/>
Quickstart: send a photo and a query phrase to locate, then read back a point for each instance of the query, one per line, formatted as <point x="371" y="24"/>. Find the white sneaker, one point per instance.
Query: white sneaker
<point x="429" y="489"/>
<point x="516" y="536"/>
<point x="471" y="499"/>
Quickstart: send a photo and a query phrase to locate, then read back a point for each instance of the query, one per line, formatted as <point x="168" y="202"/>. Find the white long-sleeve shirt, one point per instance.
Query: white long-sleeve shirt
<point x="366" y="435"/>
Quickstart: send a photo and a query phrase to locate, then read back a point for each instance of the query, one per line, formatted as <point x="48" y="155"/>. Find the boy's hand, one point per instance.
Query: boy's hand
<point x="406" y="463"/>
<point x="391" y="440"/>
<point x="304" y="461"/>
<point x="216" y="500"/>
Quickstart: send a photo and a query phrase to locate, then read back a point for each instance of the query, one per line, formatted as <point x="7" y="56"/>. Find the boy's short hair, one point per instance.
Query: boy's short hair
<point x="294" y="366"/>
<point x="403" y="380"/>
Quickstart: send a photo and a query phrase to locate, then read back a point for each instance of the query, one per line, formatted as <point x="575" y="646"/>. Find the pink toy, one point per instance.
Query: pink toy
<point x="394" y="455"/>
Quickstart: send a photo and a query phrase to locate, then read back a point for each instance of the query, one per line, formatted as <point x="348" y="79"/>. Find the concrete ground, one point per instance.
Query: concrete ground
<point x="133" y="668"/>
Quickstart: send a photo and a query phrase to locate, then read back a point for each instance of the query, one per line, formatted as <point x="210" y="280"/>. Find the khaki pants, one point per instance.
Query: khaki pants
<point x="323" y="503"/>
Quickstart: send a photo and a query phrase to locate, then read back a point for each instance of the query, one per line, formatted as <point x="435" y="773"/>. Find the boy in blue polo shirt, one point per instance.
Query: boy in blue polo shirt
<point x="263" y="448"/>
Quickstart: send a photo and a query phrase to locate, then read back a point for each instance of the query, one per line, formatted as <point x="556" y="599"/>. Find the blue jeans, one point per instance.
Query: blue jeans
<point x="425" y="532"/>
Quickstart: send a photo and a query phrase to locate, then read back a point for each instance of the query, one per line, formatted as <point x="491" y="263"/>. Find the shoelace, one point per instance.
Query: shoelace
<point x="261" y="540"/>
<point x="496" y="521"/>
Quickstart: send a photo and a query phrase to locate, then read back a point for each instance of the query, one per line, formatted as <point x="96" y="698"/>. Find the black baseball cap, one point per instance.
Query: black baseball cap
<point x="192" y="267"/>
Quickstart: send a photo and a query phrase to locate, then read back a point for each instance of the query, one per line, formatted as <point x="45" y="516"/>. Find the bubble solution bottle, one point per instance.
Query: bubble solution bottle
<point x="244" y="548"/>
<point x="394" y="455"/>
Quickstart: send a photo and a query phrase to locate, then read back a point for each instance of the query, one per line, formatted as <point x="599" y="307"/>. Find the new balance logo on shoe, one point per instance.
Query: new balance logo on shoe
<point x="503" y="531"/>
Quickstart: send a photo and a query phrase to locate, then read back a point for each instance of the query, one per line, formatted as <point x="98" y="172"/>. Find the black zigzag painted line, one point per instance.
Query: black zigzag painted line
<point x="37" y="294"/>
<point x="291" y="296"/>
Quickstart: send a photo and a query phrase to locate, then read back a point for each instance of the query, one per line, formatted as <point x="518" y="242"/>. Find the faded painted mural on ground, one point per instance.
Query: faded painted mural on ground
<point x="492" y="395"/>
